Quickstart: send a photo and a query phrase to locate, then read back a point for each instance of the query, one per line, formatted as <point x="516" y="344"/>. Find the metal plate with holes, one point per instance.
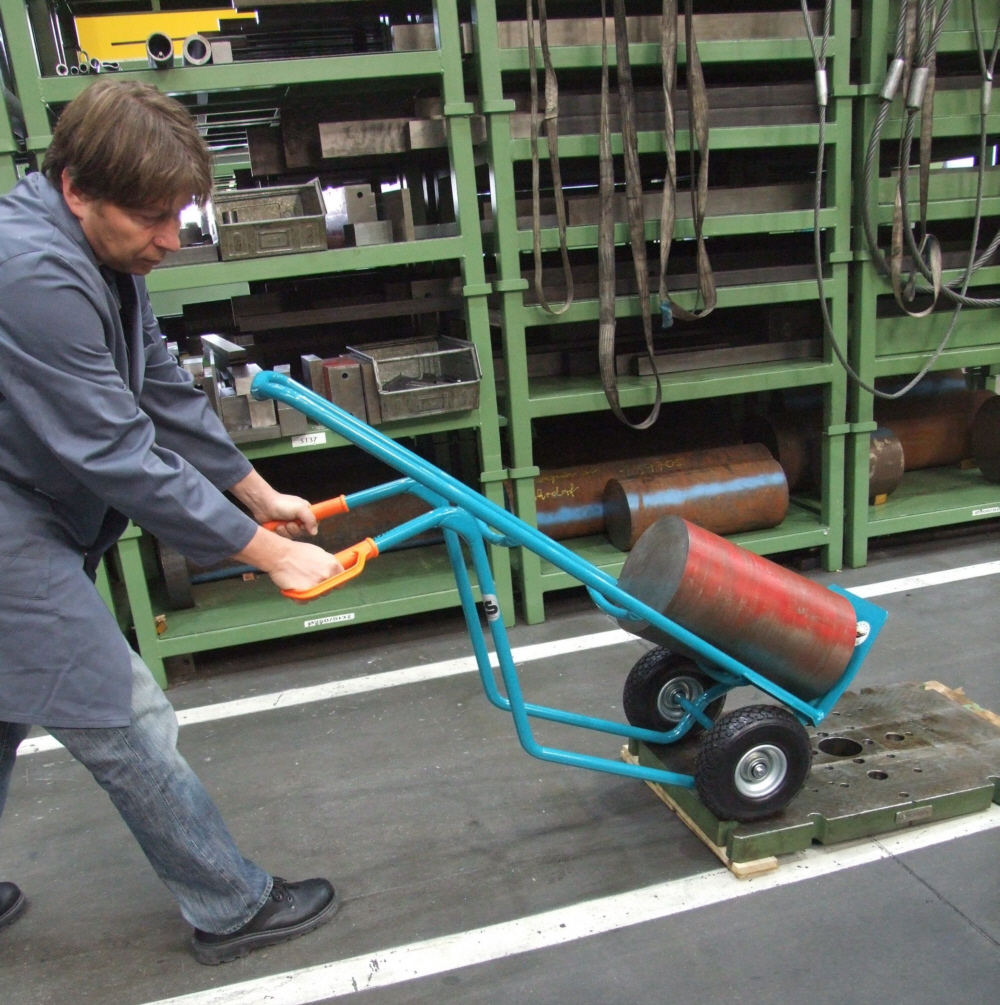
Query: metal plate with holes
<point x="886" y="758"/>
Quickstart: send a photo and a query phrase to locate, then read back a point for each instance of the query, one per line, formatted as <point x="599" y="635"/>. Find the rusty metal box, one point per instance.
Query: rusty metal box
<point x="280" y="220"/>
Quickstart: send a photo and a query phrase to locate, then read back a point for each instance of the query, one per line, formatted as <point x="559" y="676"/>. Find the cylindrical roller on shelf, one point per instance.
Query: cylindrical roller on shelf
<point x="787" y="628"/>
<point x="568" y="501"/>
<point x="986" y="439"/>
<point x="789" y="438"/>
<point x="725" y="499"/>
<point x="885" y="463"/>
<point x="934" y="429"/>
<point x="160" y="51"/>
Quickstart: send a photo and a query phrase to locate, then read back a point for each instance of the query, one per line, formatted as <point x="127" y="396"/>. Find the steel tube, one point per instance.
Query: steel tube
<point x="885" y="463"/>
<point x="568" y="501"/>
<point x="160" y="51"/>
<point x="725" y="499"/>
<point x="196" y="51"/>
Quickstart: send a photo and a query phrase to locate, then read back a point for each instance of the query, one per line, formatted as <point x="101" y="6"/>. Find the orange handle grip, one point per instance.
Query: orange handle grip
<point x="321" y="510"/>
<point x="352" y="559"/>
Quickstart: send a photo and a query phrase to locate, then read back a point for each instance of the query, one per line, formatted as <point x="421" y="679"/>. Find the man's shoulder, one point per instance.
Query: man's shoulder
<point x="29" y="231"/>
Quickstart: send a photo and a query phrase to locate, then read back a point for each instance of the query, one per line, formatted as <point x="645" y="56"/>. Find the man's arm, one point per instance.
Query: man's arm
<point x="57" y="373"/>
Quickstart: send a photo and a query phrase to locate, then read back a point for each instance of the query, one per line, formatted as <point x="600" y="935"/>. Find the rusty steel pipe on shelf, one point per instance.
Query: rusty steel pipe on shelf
<point x="933" y="429"/>
<point x="886" y="463"/>
<point x="985" y="439"/>
<point x="789" y="437"/>
<point x="568" y="501"/>
<point x="791" y="630"/>
<point x="725" y="499"/>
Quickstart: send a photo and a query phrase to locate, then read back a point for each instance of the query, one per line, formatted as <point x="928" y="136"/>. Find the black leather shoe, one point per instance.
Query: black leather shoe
<point x="293" y="909"/>
<point x="12" y="904"/>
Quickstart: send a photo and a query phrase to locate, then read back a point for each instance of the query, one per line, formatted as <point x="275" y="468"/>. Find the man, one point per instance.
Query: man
<point x="98" y="426"/>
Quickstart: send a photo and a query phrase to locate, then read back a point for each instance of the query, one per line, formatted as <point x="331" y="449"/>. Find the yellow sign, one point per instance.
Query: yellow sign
<point x="118" y="37"/>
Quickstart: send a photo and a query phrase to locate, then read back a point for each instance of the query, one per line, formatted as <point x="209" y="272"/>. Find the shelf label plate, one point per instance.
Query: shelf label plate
<point x="333" y="619"/>
<point x="309" y="440"/>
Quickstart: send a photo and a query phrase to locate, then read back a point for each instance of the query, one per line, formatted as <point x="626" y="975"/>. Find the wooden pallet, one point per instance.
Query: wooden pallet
<point x="928" y="740"/>
<point x="741" y="870"/>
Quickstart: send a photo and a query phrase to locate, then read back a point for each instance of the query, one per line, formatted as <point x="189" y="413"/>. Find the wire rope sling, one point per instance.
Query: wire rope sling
<point x="913" y="66"/>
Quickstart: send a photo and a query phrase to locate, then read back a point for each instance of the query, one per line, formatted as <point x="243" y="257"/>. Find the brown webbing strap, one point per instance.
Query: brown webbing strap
<point x="606" y="223"/>
<point x="698" y="131"/>
<point x="552" y="138"/>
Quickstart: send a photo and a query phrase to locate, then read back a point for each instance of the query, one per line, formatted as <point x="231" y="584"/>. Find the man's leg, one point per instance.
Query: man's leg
<point x="11" y="735"/>
<point x="12" y="901"/>
<point x="169" y="812"/>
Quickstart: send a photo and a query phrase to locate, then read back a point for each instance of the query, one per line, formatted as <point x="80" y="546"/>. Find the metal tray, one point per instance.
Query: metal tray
<point x="280" y="220"/>
<point x="416" y="377"/>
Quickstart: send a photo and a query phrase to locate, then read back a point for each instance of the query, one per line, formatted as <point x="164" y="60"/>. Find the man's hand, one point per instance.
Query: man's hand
<point x="292" y="565"/>
<point x="266" y="504"/>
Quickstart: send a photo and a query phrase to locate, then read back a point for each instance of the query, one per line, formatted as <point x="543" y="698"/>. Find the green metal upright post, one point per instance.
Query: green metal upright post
<point x="27" y="73"/>
<point x="8" y="171"/>
<point x="458" y="111"/>
<point x="510" y="285"/>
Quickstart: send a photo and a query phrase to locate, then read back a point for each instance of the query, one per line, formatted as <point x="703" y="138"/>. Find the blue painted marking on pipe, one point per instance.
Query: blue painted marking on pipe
<point x="680" y="496"/>
<point x="567" y="514"/>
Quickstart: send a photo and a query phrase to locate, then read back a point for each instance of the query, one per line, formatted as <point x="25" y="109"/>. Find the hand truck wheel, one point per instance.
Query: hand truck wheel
<point x="654" y="684"/>
<point x="752" y="763"/>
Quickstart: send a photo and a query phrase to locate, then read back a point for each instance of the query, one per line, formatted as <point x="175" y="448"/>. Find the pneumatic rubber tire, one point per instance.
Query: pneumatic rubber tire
<point x="650" y="683"/>
<point x="752" y="763"/>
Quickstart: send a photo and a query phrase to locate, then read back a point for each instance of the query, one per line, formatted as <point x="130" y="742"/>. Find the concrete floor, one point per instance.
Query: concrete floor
<point x="419" y="803"/>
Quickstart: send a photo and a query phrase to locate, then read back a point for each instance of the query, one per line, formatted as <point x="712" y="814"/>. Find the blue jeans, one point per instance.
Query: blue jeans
<point x="165" y="806"/>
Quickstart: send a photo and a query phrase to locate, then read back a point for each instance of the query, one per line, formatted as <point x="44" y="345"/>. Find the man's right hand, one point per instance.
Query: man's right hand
<point x="292" y="565"/>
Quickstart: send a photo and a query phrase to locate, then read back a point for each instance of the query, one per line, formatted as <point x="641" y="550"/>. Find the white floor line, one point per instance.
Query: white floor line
<point x="358" y="685"/>
<point x="449" y="668"/>
<point x="927" y="579"/>
<point x="386" y="967"/>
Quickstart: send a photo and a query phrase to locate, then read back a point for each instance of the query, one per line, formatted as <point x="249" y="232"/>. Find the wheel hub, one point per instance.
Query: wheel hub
<point x="761" y="771"/>
<point x="689" y="688"/>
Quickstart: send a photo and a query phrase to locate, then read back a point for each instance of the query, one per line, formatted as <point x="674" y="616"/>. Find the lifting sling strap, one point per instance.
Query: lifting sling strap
<point x="634" y="198"/>
<point x="552" y="138"/>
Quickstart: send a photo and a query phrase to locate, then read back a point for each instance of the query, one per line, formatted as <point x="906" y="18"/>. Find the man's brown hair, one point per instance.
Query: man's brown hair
<point x="128" y="144"/>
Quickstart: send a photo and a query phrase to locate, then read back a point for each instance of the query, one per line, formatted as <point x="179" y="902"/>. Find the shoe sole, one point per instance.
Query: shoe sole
<point x="214" y="955"/>
<point x="14" y="911"/>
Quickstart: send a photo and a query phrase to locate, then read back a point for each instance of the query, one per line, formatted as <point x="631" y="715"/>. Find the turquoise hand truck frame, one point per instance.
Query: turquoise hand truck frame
<point x="466" y="517"/>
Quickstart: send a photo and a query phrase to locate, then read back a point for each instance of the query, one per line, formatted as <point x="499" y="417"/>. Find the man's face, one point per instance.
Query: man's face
<point x="129" y="240"/>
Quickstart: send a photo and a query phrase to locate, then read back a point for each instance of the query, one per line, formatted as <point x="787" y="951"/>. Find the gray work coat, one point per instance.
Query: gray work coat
<point x="98" y="425"/>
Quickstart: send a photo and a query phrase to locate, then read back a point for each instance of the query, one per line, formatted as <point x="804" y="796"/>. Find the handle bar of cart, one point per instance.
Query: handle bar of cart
<point x="464" y="515"/>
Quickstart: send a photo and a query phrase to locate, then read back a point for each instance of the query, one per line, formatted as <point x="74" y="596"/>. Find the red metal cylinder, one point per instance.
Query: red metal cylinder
<point x="568" y="500"/>
<point x="784" y="626"/>
<point x="725" y="499"/>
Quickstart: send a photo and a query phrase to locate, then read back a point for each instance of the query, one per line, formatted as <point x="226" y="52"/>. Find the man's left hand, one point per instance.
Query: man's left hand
<point x="293" y="514"/>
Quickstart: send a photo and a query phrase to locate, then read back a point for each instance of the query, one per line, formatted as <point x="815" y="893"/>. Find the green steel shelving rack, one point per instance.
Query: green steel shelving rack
<point x="234" y="612"/>
<point x="889" y="346"/>
<point x="8" y="145"/>
<point x="8" y="148"/>
<point x="809" y="523"/>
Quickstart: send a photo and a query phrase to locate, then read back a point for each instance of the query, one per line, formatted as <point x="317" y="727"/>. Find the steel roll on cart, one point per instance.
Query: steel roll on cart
<point x="751" y="762"/>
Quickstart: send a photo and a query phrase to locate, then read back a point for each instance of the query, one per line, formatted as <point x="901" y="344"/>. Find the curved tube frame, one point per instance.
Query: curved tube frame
<point x="468" y="518"/>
